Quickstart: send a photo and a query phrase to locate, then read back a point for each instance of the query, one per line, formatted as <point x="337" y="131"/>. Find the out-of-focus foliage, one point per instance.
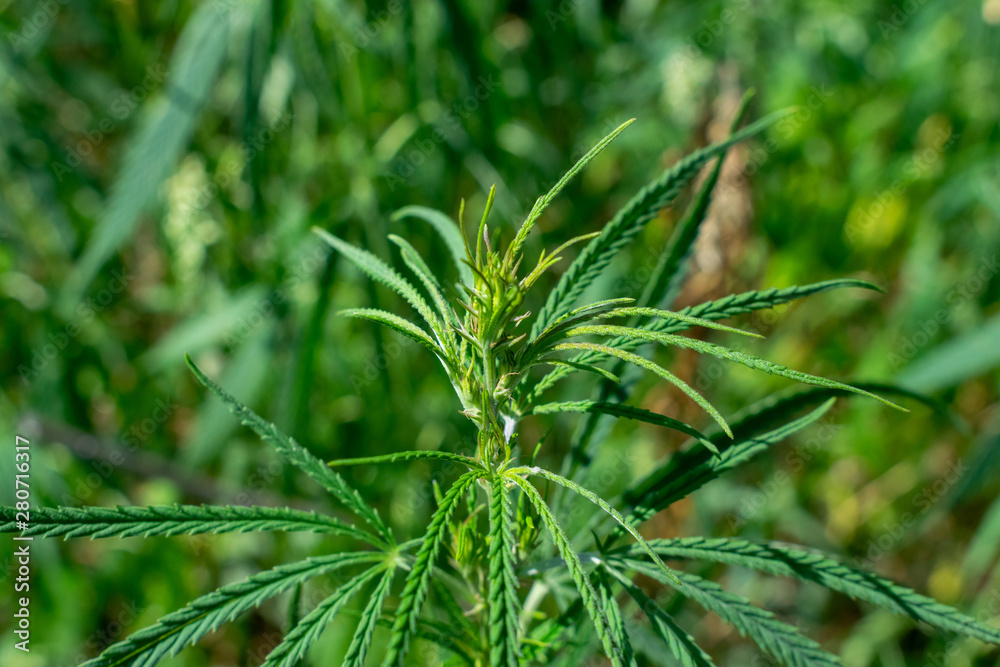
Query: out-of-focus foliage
<point x="162" y="164"/>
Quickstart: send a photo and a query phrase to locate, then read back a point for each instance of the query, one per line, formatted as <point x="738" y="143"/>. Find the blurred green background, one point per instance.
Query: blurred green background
<point x="162" y="164"/>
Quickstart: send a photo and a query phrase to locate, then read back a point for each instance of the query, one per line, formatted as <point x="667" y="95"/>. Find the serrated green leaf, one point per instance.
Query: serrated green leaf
<point x="381" y="272"/>
<point x="446" y="600"/>
<point x="826" y="571"/>
<point x="419" y="267"/>
<point x="630" y="221"/>
<point x="689" y="470"/>
<point x="514" y="249"/>
<point x="440" y="634"/>
<point x="410" y="456"/>
<point x="666" y="279"/>
<point x="504" y="605"/>
<point x="550" y="635"/>
<point x="542" y="341"/>
<point x="783" y="404"/>
<point x="654" y="368"/>
<point x="781" y="640"/>
<point x="615" y="617"/>
<point x="591" y="601"/>
<point x="586" y="368"/>
<point x="601" y="503"/>
<point x="169" y="520"/>
<point x="293" y="646"/>
<point x="670" y="315"/>
<point x="728" y="306"/>
<point x="627" y="412"/>
<point x="365" y="632"/>
<point x="415" y="589"/>
<point x="398" y="324"/>
<point x="681" y="644"/>
<point x="722" y="352"/>
<point x="298" y="456"/>
<point x="186" y="626"/>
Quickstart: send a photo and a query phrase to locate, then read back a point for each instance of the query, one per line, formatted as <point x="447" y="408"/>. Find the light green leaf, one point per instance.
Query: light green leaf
<point x="543" y="202"/>
<point x="419" y="267"/>
<point x="399" y="325"/>
<point x="381" y="272"/>
<point x="748" y="360"/>
<point x="600" y="502"/>
<point x="448" y="230"/>
<point x="591" y="601"/>
<point x="586" y="368"/>
<point x="670" y="315"/>
<point x="247" y="369"/>
<point x="734" y="304"/>
<point x="650" y="366"/>
<point x="410" y="456"/>
<point x="627" y="412"/>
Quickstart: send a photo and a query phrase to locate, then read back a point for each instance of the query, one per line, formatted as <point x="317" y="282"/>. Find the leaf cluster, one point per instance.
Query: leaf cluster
<point x="494" y="526"/>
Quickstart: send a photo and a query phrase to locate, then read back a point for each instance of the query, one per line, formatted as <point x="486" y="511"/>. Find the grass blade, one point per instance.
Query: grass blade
<point x="159" y="141"/>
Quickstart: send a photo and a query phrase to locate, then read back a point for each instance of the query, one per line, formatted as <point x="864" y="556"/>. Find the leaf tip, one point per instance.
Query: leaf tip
<point x="710" y="446"/>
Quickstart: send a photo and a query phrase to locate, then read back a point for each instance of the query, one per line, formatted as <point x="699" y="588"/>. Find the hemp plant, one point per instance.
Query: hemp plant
<point x="496" y="578"/>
